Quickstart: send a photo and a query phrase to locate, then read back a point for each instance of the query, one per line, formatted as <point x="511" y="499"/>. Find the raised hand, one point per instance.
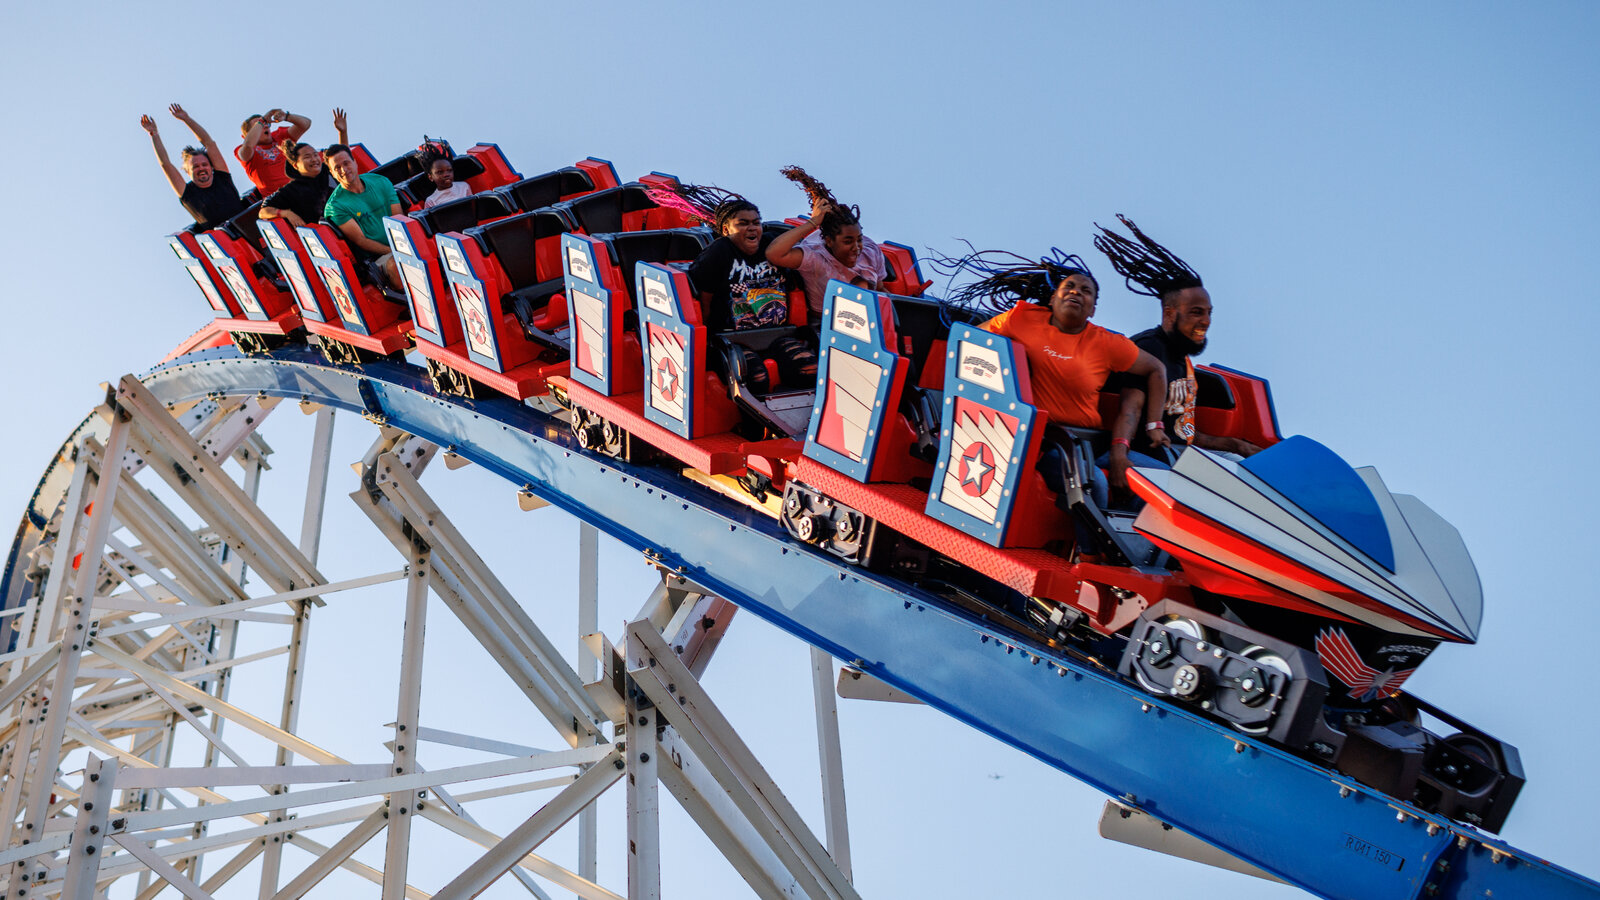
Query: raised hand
<point x="178" y="113"/>
<point x="820" y="207"/>
<point x="339" y="119"/>
<point x="149" y="125"/>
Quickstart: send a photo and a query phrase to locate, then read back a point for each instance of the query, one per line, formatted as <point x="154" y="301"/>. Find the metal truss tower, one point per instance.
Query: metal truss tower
<point x="130" y="763"/>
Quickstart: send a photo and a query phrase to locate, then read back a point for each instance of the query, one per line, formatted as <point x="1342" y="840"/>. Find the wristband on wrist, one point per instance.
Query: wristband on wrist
<point x="1152" y="426"/>
<point x="1120" y="442"/>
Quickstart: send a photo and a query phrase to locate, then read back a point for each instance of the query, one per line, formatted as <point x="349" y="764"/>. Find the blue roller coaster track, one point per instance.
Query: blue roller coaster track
<point x="1305" y="824"/>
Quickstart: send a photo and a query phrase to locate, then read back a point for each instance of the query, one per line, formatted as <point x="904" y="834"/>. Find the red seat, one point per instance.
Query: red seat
<point x="186" y="247"/>
<point x="264" y="307"/>
<point x="490" y="344"/>
<point x="286" y="248"/>
<point x="365" y="318"/>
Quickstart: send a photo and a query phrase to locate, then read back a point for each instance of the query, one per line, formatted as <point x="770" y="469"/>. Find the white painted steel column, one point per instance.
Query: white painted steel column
<point x="644" y="806"/>
<point x="89" y="827"/>
<point x="681" y="700"/>
<point x="75" y="634"/>
<point x="403" y="804"/>
<point x="588" y="671"/>
<point x="288" y="720"/>
<point x="832" y="760"/>
<point x="317" y="485"/>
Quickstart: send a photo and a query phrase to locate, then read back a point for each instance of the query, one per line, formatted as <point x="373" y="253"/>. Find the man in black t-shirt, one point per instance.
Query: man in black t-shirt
<point x="209" y="195"/>
<point x="737" y="287"/>
<point x="1152" y="270"/>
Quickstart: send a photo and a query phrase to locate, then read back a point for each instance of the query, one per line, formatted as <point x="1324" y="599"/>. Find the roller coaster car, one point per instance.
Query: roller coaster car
<point x="370" y="321"/>
<point x="416" y="252"/>
<point x="1355" y="585"/>
<point x="504" y="278"/>
<point x="262" y="314"/>
<point x="490" y="272"/>
<point x="283" y="244"/>
<point x="683" y="408"/>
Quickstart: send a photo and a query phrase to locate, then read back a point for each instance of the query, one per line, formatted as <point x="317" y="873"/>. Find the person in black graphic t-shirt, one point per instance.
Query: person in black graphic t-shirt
<point x="209" y="195"/>
<point x="737" y="287"/>
<point x="1153" y="270"/>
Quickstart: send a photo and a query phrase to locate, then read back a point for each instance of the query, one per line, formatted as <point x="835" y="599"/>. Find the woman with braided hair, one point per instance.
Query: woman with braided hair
<point x="1047" y="306"/>
<point x="828" y="245"/>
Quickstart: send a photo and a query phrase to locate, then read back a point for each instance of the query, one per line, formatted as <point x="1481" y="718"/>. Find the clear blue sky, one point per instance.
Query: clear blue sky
<point x="1392" y="205"/>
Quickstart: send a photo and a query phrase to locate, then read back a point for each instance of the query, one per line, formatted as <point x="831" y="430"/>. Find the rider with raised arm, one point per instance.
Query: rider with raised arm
<point x="209" y="195"/>
<point x="737" y="287"/>
<point x="302" y="200"/>
<point x="1154" y="271"/>
<point x="828" y="245"/>
<point x="260" y="154"/>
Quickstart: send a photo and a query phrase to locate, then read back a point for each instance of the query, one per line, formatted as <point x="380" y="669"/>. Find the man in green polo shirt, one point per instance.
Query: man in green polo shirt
<point x="357" y="207"/>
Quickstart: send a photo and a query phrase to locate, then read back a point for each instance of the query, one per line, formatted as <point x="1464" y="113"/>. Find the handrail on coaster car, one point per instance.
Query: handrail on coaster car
<point x="918" y="460"/>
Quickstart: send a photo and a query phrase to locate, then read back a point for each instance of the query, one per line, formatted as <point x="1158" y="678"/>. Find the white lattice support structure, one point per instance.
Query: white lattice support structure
<point x="128" y="764"/>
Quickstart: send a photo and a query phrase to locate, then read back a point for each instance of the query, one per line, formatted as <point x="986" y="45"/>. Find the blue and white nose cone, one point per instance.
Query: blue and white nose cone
<point x="1297" y="518"/>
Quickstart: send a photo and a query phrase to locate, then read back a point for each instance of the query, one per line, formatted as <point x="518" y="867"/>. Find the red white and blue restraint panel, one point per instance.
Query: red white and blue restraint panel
<point x="855" y="370"/>
<point x="190" y="259"/>
<point x="305" y="295"/>
<point x="589" y="311"/>
<point x="984" y="436"/>
<point x="465" y="271"/>
<point x="674" y="348"/>
<point x="341" y="289"/>
<point x="227" y="269"/>
<point x="418" y="275"/>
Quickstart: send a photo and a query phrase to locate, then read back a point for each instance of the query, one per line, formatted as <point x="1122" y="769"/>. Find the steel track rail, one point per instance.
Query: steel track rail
<point x="1308" y="825"/>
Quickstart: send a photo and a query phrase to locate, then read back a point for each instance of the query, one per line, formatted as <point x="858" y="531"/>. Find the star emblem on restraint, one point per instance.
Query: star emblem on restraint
<point x="472" y="314"/>
<point x="977" y="469"/>
<point x="667" y="379"/>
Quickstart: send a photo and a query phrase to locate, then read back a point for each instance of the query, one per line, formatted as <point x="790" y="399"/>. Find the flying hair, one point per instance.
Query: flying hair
<point x="1147" y="267"/>
<point x="705" y="203"/>
<point x="1002" y="279"/>
<point x="839" y="216"/>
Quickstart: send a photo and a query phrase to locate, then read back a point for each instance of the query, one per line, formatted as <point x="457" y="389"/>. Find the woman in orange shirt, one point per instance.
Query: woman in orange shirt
<point x="1069" y="357"/>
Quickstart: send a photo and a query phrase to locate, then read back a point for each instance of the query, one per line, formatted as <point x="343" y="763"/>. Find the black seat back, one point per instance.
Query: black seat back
<point x="601" y="212"/>
<point x="459" y="215"/>
<point x="919" y="323"/>
<point x="665" y="245"/>
<point x="514" y="242"/>
<point x="547" y="189"/>
<point x="246" y="225"/>
<point x="400" y="168"/>
<point x="1213" y="391"/>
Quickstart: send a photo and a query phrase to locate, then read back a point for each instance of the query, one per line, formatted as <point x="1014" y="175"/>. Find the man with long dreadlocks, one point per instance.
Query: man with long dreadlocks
<point x="840" y="250"/>
<point x="1154" y="271"/>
